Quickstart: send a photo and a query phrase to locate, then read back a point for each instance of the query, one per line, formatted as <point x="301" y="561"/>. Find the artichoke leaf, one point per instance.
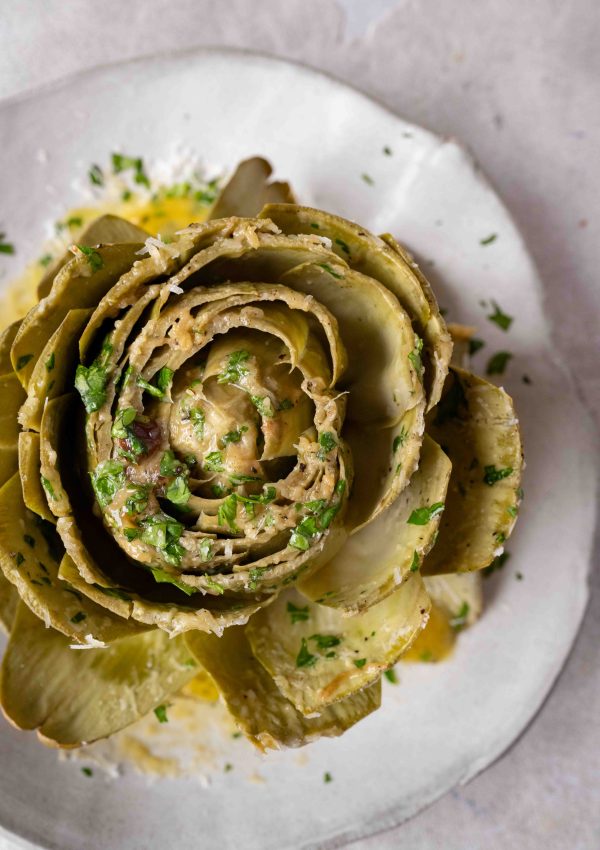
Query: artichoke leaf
<point x="316" y="656"/>
<point x="248" y="190"/>
<point x="375" y="330"/>
<point x="105" y="230"/>
<point x="386" y="261"/>
<point x="9" y="599"/>
<point x="55" y="414"/>
<point x="261" y="711"/>
<point x="34" y="495"/>
<point x="13" y="396"/>
<point x="475" y="421"/>
<point x="30" y="552"/>
<point x="80" y="283"/>
<point x="458" y="595"/>
<point x="8" y="463"/>
<point x="53" y="373"/>
<point x="381" y="555"/>
<point x="75" y="697"/>
<point x="7" y="338"/>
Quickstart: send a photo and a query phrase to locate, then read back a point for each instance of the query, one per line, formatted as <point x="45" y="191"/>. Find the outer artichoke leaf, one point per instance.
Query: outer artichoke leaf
<point x="30" y="552"/>
<point x="387" y="262"/>
<point x="266" y="717"/>
<point x="104" y="230"/>
<point x="55" y="415"/>
<point x="7" y="338"/>
<point x="34" y="494"/>
<point x="316" y="656"/>
<point x="9" y="599"/>
<point x="475" y="421"/>
<point x="376" y="332"/>
<point x="12" y="395"/>
<point x="458" y="595"/>
<point x="53" y="373"/>
<point x="248" y="190"/>
<point x="381" y="555"/>
<point x="81" y="283"/>
<point x="8" y="463"/>
<point x="74" y="698"/>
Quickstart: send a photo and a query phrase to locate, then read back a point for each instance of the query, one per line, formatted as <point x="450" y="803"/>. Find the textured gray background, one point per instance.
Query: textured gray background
<point x="518" y="81"/>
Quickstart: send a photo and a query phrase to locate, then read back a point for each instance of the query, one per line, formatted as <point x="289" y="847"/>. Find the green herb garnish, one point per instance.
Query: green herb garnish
<point x="326" y="267"/>
<point x="120" y="163"/>
<point x="305" y="658"/>
<point x="498" y="363"/>
<point x="107" y="479"/>
<point x="96" y="176"/>
<point x="79" y="617"/>
<point x="503" y="320"/>
<point x="92" y="256"/>
<point x="233" y="436"/>
<point x="235" y="370"/>
<point x="161" y="713"/>
<point x="421" y="516"/>
<point x="297" y="615"/>
<point x="23" y="361"/>
<point x="489" y="239"/>
<point x="390" y="675"/>
<point x="416" y="562"/>
<point x="91" y="381"/>
<point x="328" y="442"/>
<point x="475" y="344"/>
<point x="491" y="475"/>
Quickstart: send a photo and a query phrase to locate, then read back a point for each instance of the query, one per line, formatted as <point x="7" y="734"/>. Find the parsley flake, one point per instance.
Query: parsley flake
<point x="491" y="475"/>
<point x="297" y="615"/>
<point x="161" y="713"/>
<point x="503" y="320"/>
<point x="305" y="658"/>
<point x="498" y="363"/>
<point x="421" y="516"/>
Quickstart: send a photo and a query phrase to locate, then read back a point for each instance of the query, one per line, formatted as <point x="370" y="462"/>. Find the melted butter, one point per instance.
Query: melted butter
<point x="435" y="642"/>
<point x="159" y="215"/>
<point x="202" y="688"/>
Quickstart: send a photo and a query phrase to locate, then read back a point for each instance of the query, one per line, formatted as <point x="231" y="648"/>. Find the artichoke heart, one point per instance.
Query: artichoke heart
<point x="244" y="450"/>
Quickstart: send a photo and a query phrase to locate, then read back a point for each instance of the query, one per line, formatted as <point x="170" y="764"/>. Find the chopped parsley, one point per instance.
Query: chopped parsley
<point x="120" y="163"/>
<point x="326" y="267"/>
<point x="387" y="150"/>
<point x="390" y="675"/>
<point x="163" y="532"/>
<point x="45" y="260"/>
<point x="343" y="245"/>
<point x="360" y="662"/>
<point x="459" y="621"/>
<point x="503" y="320"/>
<point x="227" y="512"/>
<point x="205" y="549"/>
<point x="305" y="658"/>
<point x="233" y="436"/>
<point x="6" y="247"/>
<point x="491" y="475"/>
<point x="512" y="510"/>
<point x="421" y="516"/>
<point x="327" y="442"/>
<point x="211" y="584"/>
<point x="161" y="713"/>
<point x="198" y="420"/>
<point x="90" y="381"/>
<point x="92" y="256"/>
<point x="213" y="461"/>
<point x="107" y="479"/>
<point x="297" y="615"/>
<point x="488" y="240"/>
<point x="399" y="439"/>
<point x="96" y="176"/>
<point x="475" y="344"/>
<point x="325" y="641"/>
<point x="50" y="362"/>
<point x="415" y="356"/>
<point x="416" y="562"/>
<point x="163" y="577"/>
<point x="264" y="405"/>
<point x="178" y="491"/>
<point x="23" y="361"/>
<point x="48" y="487"/>
<point x="87" y="771"/>
<point x="137" y="500"/>
<point x="367" y="179"/>
<point x="235" y="369"/>
<point x="498" y="363"/>
<point x="327" y="777"/>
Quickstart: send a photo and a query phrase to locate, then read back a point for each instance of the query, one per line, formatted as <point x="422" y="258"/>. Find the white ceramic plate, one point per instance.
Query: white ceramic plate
<point x="444" y="723"/>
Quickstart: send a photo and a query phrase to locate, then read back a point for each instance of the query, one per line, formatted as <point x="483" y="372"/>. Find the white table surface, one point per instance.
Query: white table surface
<point x="519" y="83"/>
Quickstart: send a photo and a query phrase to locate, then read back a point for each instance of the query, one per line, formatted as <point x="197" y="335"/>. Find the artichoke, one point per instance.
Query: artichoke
<point x="242" y="451"/>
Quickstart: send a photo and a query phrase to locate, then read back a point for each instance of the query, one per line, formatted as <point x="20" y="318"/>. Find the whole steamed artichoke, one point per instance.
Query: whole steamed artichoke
<point x="238" y="451"/>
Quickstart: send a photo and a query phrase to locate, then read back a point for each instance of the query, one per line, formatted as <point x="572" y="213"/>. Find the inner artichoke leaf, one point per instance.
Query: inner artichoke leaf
<point x="382" y="554"/>
<point x="458" y="595"/>
<point x="381" y="377"/>
<point x="80" y="283"/>
<point x="34" y="495"/>
<point x="476" y="423"/>
<point x="12" y="395"/>
<point x="77" y="697"/>
<point x="259" y="708"/>
<point x="8" y="463"/>
<point x="248" y="190"/>
<point x="30" y="552"/>
<point x="7" y="338"/>
<point x="386" y="261"/>
<point x="56" y="412"/>
<point x="104" y="230"/>
<point x="53" y="372"/>
<point x="316" y="656"/>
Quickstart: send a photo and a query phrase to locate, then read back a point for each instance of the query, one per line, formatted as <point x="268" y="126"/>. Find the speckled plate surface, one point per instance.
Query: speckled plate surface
<point x="443" y="723"/>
